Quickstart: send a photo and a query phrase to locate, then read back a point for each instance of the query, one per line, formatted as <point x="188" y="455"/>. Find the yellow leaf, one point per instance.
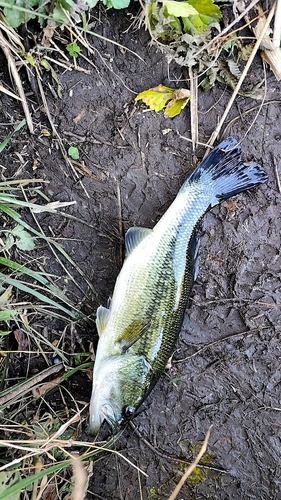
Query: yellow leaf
<point x="175" y="106"/>
<point x="157" y="97"/>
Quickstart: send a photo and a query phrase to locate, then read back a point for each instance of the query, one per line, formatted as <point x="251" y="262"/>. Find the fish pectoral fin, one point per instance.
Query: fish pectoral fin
<point x="134" y="332"/>
<point x="134" y="236"/>
<point x="102" y="319"/>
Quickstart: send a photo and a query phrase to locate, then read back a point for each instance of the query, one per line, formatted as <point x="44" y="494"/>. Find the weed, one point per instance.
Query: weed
<point x="39" y="443"/>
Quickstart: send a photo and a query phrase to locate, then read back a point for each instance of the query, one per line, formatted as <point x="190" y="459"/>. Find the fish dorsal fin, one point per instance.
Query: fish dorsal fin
<point x="132" y="334"/>
<point x="134" y="236"/>
<point x="102" y="319"/>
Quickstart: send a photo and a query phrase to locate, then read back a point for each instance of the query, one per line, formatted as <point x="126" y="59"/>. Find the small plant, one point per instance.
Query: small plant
<point x="168" y="19"/>
<point x="73" y="152"/>
<point x="73" y="49"/>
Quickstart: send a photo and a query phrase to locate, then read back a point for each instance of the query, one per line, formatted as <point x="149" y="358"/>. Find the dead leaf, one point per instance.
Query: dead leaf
<point x="22" y="340"/>
<point x="40" y="390"/>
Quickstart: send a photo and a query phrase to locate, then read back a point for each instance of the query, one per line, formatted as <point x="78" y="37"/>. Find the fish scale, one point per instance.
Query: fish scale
<point x="137" y="334"/>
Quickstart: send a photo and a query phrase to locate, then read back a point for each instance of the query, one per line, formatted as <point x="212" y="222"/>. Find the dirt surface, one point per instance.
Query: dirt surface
<point x="226" y="366"/>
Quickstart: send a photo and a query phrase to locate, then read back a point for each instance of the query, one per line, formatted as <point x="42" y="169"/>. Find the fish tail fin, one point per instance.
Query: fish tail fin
<point x="224" y="173"/>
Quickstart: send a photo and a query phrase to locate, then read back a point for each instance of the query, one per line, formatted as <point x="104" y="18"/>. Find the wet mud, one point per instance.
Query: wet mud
<point x="225" y="370"/>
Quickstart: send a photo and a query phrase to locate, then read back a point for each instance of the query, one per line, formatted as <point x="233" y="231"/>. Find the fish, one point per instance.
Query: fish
<point x="139" y="328"/>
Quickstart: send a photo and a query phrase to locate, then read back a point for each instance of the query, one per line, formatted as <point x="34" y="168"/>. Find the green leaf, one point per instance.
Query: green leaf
<point x="208" y="14"/>
<point x="15" y="17"/>
<point x="73" y="152"/>
<point x="9" y="478"/>
<point x="45" y="64"/>
<point x="6" y="316"/>
<point x="168" y="19"/>
<point x="17" y="128"/>
<point x="91" y="3"/>
<point x="73" y="49"/>
<point x="59" y="15"/>
<point x="116" y="4"/>
<point x="24" y="241"/>
<point x="68" y="4"/>
<point x="179" y="9"/>
<point x="156" y="98"/>
<point x="10" y="241"/>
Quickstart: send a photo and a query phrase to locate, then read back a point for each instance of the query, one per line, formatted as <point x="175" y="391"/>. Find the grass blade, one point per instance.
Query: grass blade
<point x="16" y="129"/>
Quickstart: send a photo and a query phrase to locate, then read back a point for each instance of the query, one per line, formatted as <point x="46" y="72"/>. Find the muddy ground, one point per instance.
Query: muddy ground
<point x="226" y="366"/>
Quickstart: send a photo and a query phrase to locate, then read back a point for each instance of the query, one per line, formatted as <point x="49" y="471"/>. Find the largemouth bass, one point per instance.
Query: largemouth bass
<point x="137" y="333"/>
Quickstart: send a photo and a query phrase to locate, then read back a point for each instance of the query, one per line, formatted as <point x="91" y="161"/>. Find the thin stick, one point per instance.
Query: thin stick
<point x="277" y="25"/>
<point x="30" y="383"/>
<point x="241" y="79"/>
<point x="193" y="107"/>
<point x="17" y="81"/>
<point x="192" y="467"/>
<point x="8" y="92"/>
<point x="276" y="173"/>
<point x="80" y="478"/>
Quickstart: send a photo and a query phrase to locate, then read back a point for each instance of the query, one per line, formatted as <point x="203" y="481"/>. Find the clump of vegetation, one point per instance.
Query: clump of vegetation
<point x="39" y="451"/>
<point x="184" y="31"/>
<point x="60" y="12"/>
<point x="169" y="19"/>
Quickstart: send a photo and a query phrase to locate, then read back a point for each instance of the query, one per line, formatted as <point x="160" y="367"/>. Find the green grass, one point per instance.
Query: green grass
<point x="43" y="444"/>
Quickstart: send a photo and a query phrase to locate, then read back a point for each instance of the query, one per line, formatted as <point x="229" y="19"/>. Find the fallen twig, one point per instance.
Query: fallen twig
<point x="241" y="79"/>
<point x="29" y="384"/>
<point x="192" y="467"/>
<point x="193" y="107"/>
<point x="12" y="66"/>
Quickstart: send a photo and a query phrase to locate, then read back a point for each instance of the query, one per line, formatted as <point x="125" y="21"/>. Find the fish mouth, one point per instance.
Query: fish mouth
<point x="111" y="418"/>
<point x="105" y="413"/>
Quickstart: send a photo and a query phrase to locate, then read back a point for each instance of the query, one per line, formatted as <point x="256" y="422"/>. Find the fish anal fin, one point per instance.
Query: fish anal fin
<point x="132" y="333"/>
<point x="102" y="318"/>
<point x="134" y="236"/>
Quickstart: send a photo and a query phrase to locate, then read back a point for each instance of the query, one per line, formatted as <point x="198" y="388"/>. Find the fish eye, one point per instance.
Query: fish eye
<point x="128" y="412"/>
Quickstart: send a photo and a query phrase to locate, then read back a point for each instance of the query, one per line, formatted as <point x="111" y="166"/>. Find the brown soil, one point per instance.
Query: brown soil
<point x="226" y="366"/>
